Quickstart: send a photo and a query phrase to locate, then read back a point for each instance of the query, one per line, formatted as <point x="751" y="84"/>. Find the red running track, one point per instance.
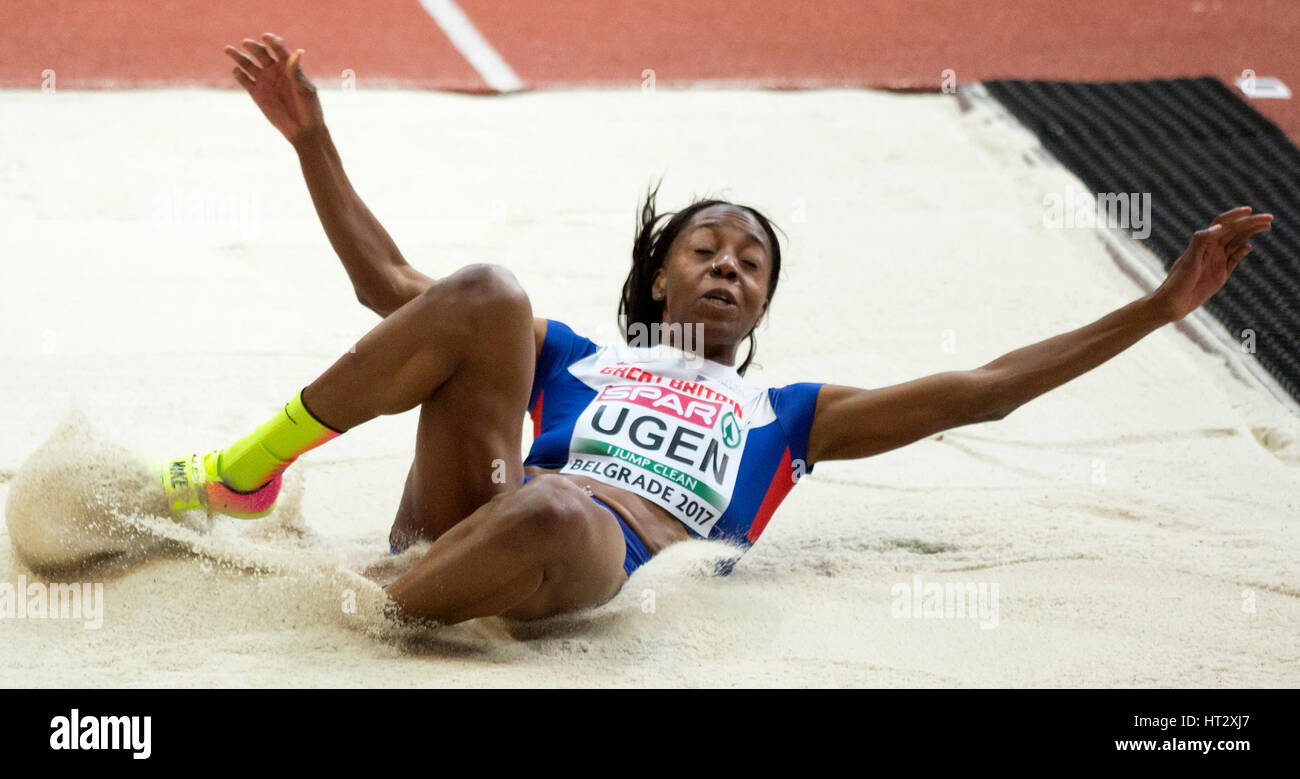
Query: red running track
<point x="898" y="44"/>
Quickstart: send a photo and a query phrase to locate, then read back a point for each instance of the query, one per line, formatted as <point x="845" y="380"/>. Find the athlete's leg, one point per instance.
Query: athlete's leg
<point x="477" y="315"/>
<point x="464" y="352"/>
<point x="543" y="549"/>
<point x="467" y="450"/>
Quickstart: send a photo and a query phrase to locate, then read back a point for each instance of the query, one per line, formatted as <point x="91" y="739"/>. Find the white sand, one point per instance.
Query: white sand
<point x="162" y="272"/>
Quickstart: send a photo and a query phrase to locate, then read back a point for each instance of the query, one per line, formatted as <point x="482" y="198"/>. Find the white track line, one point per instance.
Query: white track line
<point x="471" y="43"/>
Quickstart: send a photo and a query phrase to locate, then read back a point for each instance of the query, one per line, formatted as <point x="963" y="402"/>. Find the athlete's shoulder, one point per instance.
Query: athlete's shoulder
<point x="562" y="348"/>
<point x="798" y="396"/>
<point x="795" y="405"/>
<point x="561" y="337"/>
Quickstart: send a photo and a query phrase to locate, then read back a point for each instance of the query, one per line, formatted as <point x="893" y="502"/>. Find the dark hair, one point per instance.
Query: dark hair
<point x="650" y="252"/>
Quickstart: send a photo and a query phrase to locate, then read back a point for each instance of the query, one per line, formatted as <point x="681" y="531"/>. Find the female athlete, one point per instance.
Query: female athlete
<point x="635" y="448"/>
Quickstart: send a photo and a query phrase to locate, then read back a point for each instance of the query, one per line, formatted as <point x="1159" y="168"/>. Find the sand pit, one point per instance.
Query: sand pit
<point x="1137" y="525"/>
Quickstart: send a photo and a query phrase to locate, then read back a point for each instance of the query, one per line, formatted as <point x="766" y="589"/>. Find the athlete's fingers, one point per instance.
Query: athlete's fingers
<point x="295" y="66"/>
<point x="1260" y="223"/>
<point x="277" y="46"/>
<point x="242" y="59"/>
<point x="1237" y="255"/>
<point x="259" y="51"/>
<point x="1231" y="214"/>
<point x="245" y="80"/>
<point x="1247" y="228"/>
<point x="1233" y="229"/>
<point x="1228" y="220"/>
<point x="1230" y="234"/>
<point x="1202" y="238"/>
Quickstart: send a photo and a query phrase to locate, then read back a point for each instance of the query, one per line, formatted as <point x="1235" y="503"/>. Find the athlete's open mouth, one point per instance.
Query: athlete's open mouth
<point x="719" y="297"/>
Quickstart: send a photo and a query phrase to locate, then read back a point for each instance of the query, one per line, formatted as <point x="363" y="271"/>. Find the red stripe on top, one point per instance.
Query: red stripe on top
<point x="536" y="414"/>
<point x="782" y="483"/>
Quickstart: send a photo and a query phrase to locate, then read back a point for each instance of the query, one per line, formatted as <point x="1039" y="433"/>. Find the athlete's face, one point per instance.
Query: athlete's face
<point x="717" y="274"/>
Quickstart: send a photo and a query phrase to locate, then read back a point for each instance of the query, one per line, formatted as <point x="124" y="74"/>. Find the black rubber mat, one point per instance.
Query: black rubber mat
<point x="1199" y="150"/>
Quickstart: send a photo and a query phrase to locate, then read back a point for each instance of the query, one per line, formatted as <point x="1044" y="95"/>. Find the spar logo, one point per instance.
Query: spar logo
<point x="672" y="403"/>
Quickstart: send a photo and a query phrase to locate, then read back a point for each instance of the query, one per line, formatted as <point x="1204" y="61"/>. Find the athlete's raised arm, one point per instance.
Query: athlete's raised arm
<point x="273" y="76"/>
<point x="851" y="423"/>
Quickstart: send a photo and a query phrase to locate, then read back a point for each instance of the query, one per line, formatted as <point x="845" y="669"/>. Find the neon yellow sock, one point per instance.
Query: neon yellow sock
<point x="256" y="458"/>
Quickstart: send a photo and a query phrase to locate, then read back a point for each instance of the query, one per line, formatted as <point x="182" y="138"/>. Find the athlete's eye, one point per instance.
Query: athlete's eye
<point x="750" y="264"/>
<point x="704" y="251"/>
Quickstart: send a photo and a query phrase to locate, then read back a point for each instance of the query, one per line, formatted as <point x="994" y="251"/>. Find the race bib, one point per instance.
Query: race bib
<point x="672" y="440"/>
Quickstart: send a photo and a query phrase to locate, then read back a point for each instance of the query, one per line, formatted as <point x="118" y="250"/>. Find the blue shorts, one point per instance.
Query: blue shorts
<point x="637" y="555"/>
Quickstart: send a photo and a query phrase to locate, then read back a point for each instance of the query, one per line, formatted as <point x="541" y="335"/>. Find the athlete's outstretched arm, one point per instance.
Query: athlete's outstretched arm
<point x="381" y="277"/>
<point x="273" y="76"/>
<point x="851" y="423"/>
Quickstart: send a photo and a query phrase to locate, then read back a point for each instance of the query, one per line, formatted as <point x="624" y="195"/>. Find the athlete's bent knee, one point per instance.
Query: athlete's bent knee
<point x="485" y="289"/>
<point x="549" y="512"/>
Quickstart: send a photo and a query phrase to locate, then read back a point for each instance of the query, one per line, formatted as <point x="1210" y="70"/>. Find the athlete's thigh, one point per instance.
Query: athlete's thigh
<point x="587" y="572"/>
<point x="469" y="438"/>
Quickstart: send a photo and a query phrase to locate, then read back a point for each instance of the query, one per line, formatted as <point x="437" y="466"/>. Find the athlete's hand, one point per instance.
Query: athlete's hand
<point x="275" y="79"/>
<point x="1210" y="258"/>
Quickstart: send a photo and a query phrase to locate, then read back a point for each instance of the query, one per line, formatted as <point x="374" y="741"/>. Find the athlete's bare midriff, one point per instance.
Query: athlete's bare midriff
<point x="655" y="527"/>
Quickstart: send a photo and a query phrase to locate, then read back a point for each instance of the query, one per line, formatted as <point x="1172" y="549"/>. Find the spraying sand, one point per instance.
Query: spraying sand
<point x="164" y="273"/>
<point x="79" y="499"/>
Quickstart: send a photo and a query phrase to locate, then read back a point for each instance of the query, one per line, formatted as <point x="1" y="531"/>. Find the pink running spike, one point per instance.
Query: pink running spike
<point x="241" y="505"/>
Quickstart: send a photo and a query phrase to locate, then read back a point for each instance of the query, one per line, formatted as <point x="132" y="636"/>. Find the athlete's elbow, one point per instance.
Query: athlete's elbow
<point x="979" y="417"/>
<point x="992" y="401"/>
<point x="995" y="408"/>
<point x="363" y="298"/>
<point x="369" y="301"/>
<point x="998" y="414"/>
<point x="383" y="297"/>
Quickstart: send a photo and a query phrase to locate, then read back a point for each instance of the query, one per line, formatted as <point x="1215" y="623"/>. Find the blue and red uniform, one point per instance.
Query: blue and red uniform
<point x="689" y="434"/>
